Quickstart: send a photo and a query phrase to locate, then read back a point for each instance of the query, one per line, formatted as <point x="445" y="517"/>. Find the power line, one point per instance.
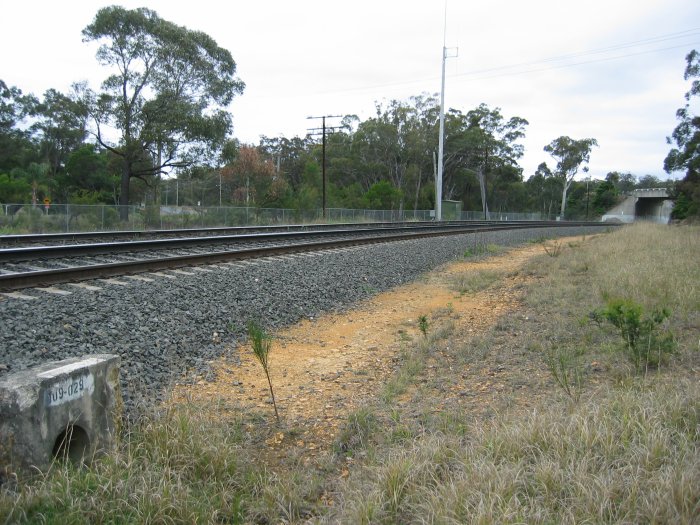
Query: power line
<point x="322" y="131"/>
<point x="478" y="74"/>
<point x="561" y="66"/>
<point x="653" y="40"/>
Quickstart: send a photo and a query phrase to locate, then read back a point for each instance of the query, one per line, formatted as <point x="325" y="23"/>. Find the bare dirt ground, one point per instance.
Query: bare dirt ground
<point x="326" y="368"/>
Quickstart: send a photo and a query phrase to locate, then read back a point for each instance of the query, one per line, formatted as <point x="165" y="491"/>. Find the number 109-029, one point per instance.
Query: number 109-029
<point x="69" y="390"/>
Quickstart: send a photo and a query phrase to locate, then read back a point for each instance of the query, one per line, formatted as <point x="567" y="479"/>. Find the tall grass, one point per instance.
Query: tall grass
<point x="631" y="457"/>
<point x="653" y="265"/>
<point x="628" y="451"/>
<point x="179" y="466"/>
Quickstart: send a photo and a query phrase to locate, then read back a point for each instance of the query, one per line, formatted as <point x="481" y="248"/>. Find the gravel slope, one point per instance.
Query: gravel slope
<point x="165" y="328"/>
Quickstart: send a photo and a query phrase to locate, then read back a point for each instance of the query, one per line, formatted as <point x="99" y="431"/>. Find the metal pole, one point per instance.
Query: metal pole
<point x="438" y="184"/>
<point x="323" y="167"/>
<point x="323" y="155"/>
<point x="438" y="192"/>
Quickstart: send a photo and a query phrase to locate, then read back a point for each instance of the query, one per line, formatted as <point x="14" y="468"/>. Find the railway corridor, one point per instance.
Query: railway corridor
<point x="326" y="368"/>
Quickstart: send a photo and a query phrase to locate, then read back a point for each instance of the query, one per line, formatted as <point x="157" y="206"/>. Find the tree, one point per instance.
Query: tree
<point x="484" y="142"/>
<point x="252" y="179"/>
<point x="686" y="156"/>
<point x="88" y="169"/>
<point x="649" y="181"/>
<point x="17" y="148"/>
<point x="14" y="190"/>
<point x="166" y="96"/>
<point x="623" y="182"/>
<point x="605" y="197"/>
<point x="383" y="196"/>
<point x="289" y="155"/>
<point x="396" y="146"/>
<point x="543" y="190"/>
<point x="62" y="125"/>
<point x="569" y="154"/>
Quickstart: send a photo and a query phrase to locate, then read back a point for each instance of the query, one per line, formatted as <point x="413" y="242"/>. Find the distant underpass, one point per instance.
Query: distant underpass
<point x="651" y="205"/>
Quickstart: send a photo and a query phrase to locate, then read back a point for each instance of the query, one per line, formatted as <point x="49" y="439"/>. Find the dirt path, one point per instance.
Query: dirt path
<point x="324" y="369"/>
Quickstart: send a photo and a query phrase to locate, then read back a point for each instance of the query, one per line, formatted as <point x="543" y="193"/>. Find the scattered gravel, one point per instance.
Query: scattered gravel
<point x="169" y="329"/>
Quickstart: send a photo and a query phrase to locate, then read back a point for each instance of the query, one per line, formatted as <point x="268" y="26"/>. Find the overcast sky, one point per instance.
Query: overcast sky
<point x="606" y="69"/>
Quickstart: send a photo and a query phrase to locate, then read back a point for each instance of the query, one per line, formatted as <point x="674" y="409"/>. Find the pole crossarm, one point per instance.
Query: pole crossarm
<point x="323" y="130"/>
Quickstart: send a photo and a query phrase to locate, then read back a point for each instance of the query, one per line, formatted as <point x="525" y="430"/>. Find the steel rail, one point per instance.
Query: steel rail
<point x="180" y="232"/>
<point x="30" y="253"/>
<point x="16" y="281"/>
<point x="10" y="240"/>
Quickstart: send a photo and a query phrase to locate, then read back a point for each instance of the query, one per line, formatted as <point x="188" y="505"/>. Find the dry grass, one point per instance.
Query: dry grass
<point x="178" y="466"/>
<point x="469" y="430"/>
<point x="621" y="448"/>
<point x="653" y="265"/>
<point x="629" y="456"/>
<point x="475" y="281"/>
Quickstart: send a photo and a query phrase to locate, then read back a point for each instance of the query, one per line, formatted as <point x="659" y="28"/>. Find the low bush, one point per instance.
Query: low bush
<point x="644" y="341"/>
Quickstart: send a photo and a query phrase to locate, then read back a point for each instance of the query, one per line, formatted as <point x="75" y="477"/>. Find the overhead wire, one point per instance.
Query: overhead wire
<point x="514" y="69"/>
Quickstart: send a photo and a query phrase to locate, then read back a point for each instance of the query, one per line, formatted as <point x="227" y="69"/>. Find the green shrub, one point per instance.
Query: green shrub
<point x="645" y="344"/>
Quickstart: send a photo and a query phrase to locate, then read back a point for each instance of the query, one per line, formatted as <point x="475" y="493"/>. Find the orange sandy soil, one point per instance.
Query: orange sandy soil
<point x="324" y="369"/>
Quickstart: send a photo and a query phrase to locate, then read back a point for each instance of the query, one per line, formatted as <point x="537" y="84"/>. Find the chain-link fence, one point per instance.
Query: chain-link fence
<point x="58" y="218"/>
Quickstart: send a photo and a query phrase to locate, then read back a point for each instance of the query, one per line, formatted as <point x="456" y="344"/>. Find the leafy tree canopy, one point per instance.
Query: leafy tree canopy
<point x="16" y="148"/>
<point x="686" y="155"/>
<point x="166" y="95"/>
<point x="570" y="154"/>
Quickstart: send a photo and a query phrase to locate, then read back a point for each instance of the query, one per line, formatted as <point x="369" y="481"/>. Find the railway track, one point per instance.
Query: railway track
<point x="50" y="239"/>
<point x="34" y="265"/>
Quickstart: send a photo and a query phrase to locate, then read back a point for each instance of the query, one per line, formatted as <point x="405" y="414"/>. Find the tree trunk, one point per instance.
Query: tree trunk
<point x="418" y="185"/>
<point x="124" y="194"/>
<point x="563" y="199"/>
<point x="482" y="185"/>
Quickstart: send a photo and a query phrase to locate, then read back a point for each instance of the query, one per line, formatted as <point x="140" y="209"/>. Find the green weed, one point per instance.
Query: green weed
<point x="565" y="366"/>
<point x="423" y="325"/>
<point x="262" y="342"/>
<point x="553" y="249"/>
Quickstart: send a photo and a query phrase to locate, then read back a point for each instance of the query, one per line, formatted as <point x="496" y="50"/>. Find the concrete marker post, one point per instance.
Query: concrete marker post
<point x="61" y="410"/>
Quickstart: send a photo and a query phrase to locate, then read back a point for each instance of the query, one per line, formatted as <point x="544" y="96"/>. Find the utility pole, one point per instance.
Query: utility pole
<point x="588" y="179"/>
<point x="322" y="131"/>
<point x="438" y="183"/>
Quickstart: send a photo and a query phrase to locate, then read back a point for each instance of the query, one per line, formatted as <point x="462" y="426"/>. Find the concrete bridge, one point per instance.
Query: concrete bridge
<point x="642" y="205"/>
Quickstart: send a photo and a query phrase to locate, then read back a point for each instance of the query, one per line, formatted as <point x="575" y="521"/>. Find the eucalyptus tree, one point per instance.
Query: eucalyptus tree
<point x="166" y="93"/>
<point x="61" y="126"/>
<point x="686" y="155"/>
<point x="543" y="190"/>
<point x="486" y="143"/>
<point x="289" y="157"/>
<point x="17" y="148"/>
<point x="570" y="154"/>
<point x="397" y="144"/>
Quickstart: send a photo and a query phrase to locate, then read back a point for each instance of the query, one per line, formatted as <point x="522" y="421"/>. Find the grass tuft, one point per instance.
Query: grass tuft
<point x="475" y="280"/>
<point x="620" y="460"/>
